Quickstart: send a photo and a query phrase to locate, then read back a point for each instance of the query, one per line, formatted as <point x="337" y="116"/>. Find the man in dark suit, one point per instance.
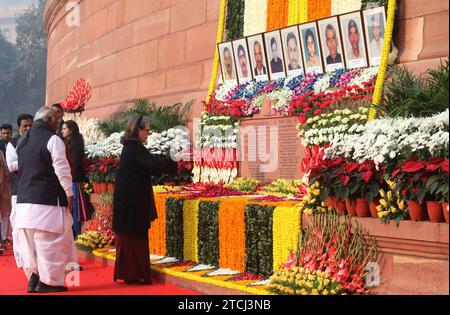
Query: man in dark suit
<point x="276" y="63"/>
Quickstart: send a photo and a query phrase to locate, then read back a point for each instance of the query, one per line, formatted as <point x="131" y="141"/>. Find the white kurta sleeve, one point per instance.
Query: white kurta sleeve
<point x="11" y="158"/>
<point x="57" y="149"/>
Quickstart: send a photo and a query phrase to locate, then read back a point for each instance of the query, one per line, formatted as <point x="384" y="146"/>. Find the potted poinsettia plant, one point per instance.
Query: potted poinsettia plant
<point x="409" y="177"/>
<point x="437" y="187"/>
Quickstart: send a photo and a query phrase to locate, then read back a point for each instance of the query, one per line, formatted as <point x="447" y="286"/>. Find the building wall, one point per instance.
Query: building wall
<point x="164" y="49"/>
<point x="160" y="49"/>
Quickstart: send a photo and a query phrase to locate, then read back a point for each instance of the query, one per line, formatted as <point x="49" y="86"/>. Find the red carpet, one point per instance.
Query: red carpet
<point x="95" y="279"/>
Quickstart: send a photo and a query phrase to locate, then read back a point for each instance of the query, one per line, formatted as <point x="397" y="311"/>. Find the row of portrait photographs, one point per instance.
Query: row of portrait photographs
<point x="352" y="40"/>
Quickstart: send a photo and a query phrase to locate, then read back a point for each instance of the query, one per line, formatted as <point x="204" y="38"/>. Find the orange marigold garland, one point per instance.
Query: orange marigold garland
<point x="157" y="232"/>
<point x="232" y="234"/>
<point x="277" y="14"/>
<point x="319" y="9"/>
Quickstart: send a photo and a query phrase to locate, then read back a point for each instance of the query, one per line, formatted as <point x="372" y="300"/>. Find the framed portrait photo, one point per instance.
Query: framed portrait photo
<point x="227" y="62"/>
<point x="243" y="66"/>
<point x="292" y="51"/>
<point x="275" y="56"/>
<point x="331" y="42"/>
<point x="258" y="57"/>
<point x="375" y="25"/>
<point x="353" y="40"/>
<point x="312" y="54"/>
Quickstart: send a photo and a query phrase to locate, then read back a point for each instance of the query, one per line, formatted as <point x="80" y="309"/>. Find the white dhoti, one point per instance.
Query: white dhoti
<point x="48" y="254"/>
<point x="16" y="243"/>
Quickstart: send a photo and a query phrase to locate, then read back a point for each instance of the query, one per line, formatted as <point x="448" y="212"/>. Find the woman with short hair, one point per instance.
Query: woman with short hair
<point x="134" y="207"/>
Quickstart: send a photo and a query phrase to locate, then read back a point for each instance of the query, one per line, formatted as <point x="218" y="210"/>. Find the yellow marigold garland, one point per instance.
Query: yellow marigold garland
<point x="294" y="12"/>
<point x="303" y="11"/>
<point x="286" y="229"/>
<point x="190" y="223"/>
<point x="378" y="93"/>
<point x="220" y="29"/>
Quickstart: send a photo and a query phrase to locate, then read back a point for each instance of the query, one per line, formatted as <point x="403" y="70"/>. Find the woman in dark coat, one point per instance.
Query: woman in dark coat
<point x="134" y="206"/>
<point x="74" y="141"/>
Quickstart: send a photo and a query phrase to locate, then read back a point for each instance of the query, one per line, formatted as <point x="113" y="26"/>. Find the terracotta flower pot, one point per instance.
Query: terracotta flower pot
<point x="104" y="187"/>
<point x="340" y="206"/>
<point x="373" y="208"/>
<point x="111" y="188"/>
<point x="330" y="202"/>
<point x="434" y="209"/>
<point x="362" y="208"/>
<point x="445" y="210"/>
<point x="96" y="187"/>
<point x="416" y="211"/>
<point x="350" y="204"/>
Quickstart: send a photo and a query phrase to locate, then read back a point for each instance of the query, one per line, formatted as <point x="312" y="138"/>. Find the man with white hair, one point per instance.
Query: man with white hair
<point x="376" y="45"/>
<point x="44" y="199"/>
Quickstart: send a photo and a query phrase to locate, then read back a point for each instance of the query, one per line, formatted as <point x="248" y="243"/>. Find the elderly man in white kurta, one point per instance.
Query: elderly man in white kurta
<point x="44" y="197"/>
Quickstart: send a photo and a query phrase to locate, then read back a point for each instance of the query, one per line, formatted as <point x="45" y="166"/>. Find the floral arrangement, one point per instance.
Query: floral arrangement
<point x="88" y="128"/>
<point x="216" y="150"/>
<point x="392" y="205"/>
<point x="283" y="187"/>
<point x="387" y="140"/>
<point x="329" y="248"/>
<point x="104" y="148"/>
<point x="249" y="185"/>
<point x="312" y="203"/>
<point x="103" y="170"/>
<point x="324" y="129"/>
<point x="309" y="105"/>
<point x="211" y="190"/>
<point x="77" y="98"/>
<point x="168" y="142"/>
<point x="92" y="240"/>
<point x="235" y="19"/>
<point x="101" y="222"/>
<point x="301" y="281"/>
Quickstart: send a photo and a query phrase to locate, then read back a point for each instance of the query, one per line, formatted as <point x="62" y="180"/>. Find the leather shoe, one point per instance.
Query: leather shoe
<point x="45" y="288"/>
<point x="32" y="283"/>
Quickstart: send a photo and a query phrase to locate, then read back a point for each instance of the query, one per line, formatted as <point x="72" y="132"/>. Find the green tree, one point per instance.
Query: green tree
<point x="32" y="51"/>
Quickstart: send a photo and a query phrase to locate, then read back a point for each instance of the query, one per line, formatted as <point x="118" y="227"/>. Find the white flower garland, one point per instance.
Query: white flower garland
<point x="165" y="261"/>
<point x="255" y="17"/>
<point x="201" y="268"/>
<point x="282" y="100"/>
<point x="344" y="6"/>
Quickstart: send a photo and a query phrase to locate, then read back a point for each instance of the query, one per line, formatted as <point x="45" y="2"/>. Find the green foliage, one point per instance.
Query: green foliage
<point x="113" y="125"/>
<point x="422" y="96"/>
<point x="259" y="239"/>
<point x="208" y="233"/>
<point x="235" y="19"/>
<point x="161" y="118"/>
<point x="174" y="228"/>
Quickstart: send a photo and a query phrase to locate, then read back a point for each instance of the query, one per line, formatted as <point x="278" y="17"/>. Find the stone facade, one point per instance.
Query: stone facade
<point x="160" y="49"/>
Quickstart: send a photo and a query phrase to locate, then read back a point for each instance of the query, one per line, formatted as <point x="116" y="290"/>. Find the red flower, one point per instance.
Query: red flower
<point x="317" y="112"/>
<point x="302" y="119"/>
<point x="368" y="176"/>
<point x="413" y="166"/>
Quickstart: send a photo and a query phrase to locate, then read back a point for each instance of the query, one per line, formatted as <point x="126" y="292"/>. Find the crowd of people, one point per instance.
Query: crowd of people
<point x="42" y="174"/>
<point x="42" y="202"/>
